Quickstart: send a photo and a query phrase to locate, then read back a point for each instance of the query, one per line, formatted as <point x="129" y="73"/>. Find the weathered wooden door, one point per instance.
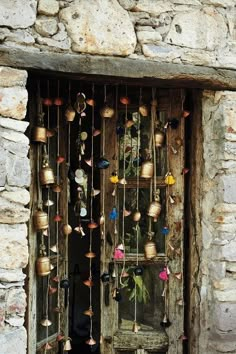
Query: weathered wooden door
<point x="143" y="314"/>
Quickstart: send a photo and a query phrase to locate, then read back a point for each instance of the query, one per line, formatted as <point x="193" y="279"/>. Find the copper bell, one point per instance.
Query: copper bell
<point x="40" y="219"/>
<point x="70" y="114"/>
<point x="67" y="345"/>
<point x="89" y="312"/>
<point x="147" y="169"/>
<point x="90" y="341"/>
<point x="43" y="266"/>
<point x="39" y="134"/>
<point x="150" y="251"/>
<point x="159" y="138"/>
<point x="154" y="209"/>
<point x="107" y="112"/>
<point x="90" y="254"/>
<point x="46" y="176"/>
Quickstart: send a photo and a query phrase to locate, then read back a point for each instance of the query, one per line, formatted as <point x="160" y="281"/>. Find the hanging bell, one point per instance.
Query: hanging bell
<point x="47" y="102"/>
<point x="91" y="102"/>
<point x="101" y="219"/>
<point x="43" y="266"/>
<point x="70" y="113"/>
<point x="165" y="322"/>
<point x="154" y="209"/>
<point x="52" y="290"/>
<point x="105" y="277"/>
<point x="143" y="110"/>
<point x="136" y="327"/>
<point x="169" y="179"/>
<point x="58" y="101"/>
<point x="107" y="112"/>
<point x="125" y="100"/>
<point x="102" y="163"/>
<point x="56" y="188"/>
<point x="40" y="220"/>
<point x="48" y="203"/>
<point x="47" y="346"/>
<point x="67" y="229"/>
<point x="122" y="181"/>
<point x="147" y="169"/>
<point x="159" y="138"/>
<point x="114" y="178"/>
<point x="90" y="341"/>
<point x="67" y="345"/>
<point x="54" y="248"/>
<point x="88" y="312"/>
<point x="46" y="176"/>
<point x="90" y="255"/>
<point x="137" y="216"/>
<point x="150" y="251"/>
<point x="116" y="295"/>
<point x="138" y="270"/>
<point x="39" y="134"/>
<point x="46" y="322"/>
<point x="92" y="224"/>
<point x="88" y="282"/>
<point x="96" y="132"/>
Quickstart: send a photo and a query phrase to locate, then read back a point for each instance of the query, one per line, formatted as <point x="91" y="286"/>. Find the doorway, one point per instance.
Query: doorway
<point x="106" y="141"/>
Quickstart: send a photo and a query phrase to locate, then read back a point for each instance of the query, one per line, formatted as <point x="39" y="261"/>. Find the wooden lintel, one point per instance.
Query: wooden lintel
<point x="156" y="340"/>
<point x="120" y="70"/>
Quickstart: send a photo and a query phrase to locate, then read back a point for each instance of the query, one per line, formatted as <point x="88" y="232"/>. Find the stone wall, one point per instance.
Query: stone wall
<point x="14" y="179"/>
<point x="199" y="32"/>
<point x="218" y="266"/>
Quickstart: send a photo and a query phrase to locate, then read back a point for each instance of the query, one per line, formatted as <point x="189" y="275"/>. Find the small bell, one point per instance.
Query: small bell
<point x="88" y="312"/>
<point x="58" y="101"/>
<point x="105" y="277"/>
<point x="114" y="178"/>
<point x="113" y="214"/>
<point x="67" y="229"/>
<point x="50" y="133"/>
<point x="136" y="327"/>
<point x="88" y="282"/>
<point x="96" y="132"/>
<point x="46" y="322"/>
<point x="95" y="192"/>
<point x="185" y="170"/>
<point x="125" y="100"/>
<point x="67" y="345"/>
<point x="92" y="224"/>
<point x="143" y="110"/>
<point x="102" y="163"/>
<point x="107" y="111"/>
<point x="90" y="255"/>
<point x="169" y="179"/>
<point x="101" y="220"/>
<point x="165" y="322"/>
<point x="90" y="102"/>
<point x="154" y="209"/>
<point x="70" y="113"/>
<point x="56" y="188"/>
<point x="57" y="218"/>
<point x="54" y="248"/>
<point x="118" y="254"/>
<point x="89" y="162"/>
<point x="159" y="138"/>
<point x="47" y="102"/>
<point x="171" y="199"/>
<point x="165" y="230"/>
<point x="163" y="275"/>
<point x="185" y="113"/>
<point x="137" y="216"/>
<point x="116" y="295"/>
<point x="40" y="220"/>
<point x="79" y="229"/>
<point x="150" y="251"/>
<point x="39" y="135"/>
<point x="126" y="212"/>
<point x="52" y="290"/>
<point x="46" y="175"/>
<point x="178" y="275"/>
<point x="47" y="346"/>
<point x="43" y="266"/>
<point x="147" y="169"/>
<point x="48" y="203"/>
<point x="138" y="270"/>
<point x="173" y="150"/>
<point x="60" y="159"/>
<point x="122" y="181"/>
<point x="90" y="341"/>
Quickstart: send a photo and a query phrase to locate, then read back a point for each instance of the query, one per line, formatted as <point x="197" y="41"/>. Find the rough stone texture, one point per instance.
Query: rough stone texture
<point x="9" y="123"/>
<point x="48" y="7"/>
<point x="12" y="77"/>
<point x="46" y="26"/>
<point x="198" y="30"/>
<point x="218" y="256"/>
<point x="153" y="7"/>
<point x="97" y="33"/>
<point x="17" y="13"/>
<point x="13" y="102"/>
<point x="13" y="341"/>
<point x="18" y="171"/>
<point x="13" y="242"/>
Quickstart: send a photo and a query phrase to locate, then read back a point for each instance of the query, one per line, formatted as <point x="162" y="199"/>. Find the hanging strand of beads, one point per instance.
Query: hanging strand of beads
<point x="92" y="225"/>
<point x="115" y="190"/>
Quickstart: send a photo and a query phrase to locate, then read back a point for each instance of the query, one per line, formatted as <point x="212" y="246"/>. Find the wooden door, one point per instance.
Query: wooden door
<point x="155" y="298"/>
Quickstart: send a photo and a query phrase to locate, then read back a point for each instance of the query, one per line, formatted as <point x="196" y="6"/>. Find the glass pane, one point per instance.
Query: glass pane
<point x="150" y="303"/>
<point x="145" y="224"/>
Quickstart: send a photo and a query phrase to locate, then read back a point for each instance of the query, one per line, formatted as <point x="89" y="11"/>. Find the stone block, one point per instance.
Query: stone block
<point x="13" y="241"/>
<point x="227" y="296"/>
<point x="148" y="37"/>
<point x="15" y="302"/>
<point x="153" y="7"/>
<point x="20" y="37"/>
<point x="127" y="4"/>
<point x="18" y="171"/>
<point x="224" y="317"/>
<point x="161" y="52"/>
<point x="198" y="30"/>
<point x="46" y="26"/>
<point x="62" y="45"/>
<point x="3" y="166"/>
<point x="16" y="195"/>
<point x="13" y="124"/>
<point x="13" y="340"/>
<point x="11" y="275"/>
<point x="12" y="213"/>
<point x="222" y="3"/>
<point x="107" y="31"/>
<point x="17" y="13"/>
<point x="225" y="284"/>
<point x="48" y="7"/>
<point x="15" y="148"/>
<point x="13" y="101"/>
<point x="12" y="77"/>
<point x="227" y="186"/>
<point x="13" y="135"/>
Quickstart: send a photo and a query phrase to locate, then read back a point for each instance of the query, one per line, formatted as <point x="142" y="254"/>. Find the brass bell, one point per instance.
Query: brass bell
<point x="90" y="341"/>
<point x="154" y="209"/>
<point x="143" y="110"/>
<point x="67" y="229"/>
<point x="150" y="251"/>
<point x="46" y="322"/>
<point x="46" y="176"/>
<point x="137" y="216"/>
<point x="43" y="266"/>
<point x="89" y="312"/>
<point x="39" y="134"/>
<point x="107" y="112"/>
<point x="159" y="138"/>
<point x="147" y="169"/>
<point x="67" y="345"/>
<point x="70" y="114"/>
<point x="40" y="219"/>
